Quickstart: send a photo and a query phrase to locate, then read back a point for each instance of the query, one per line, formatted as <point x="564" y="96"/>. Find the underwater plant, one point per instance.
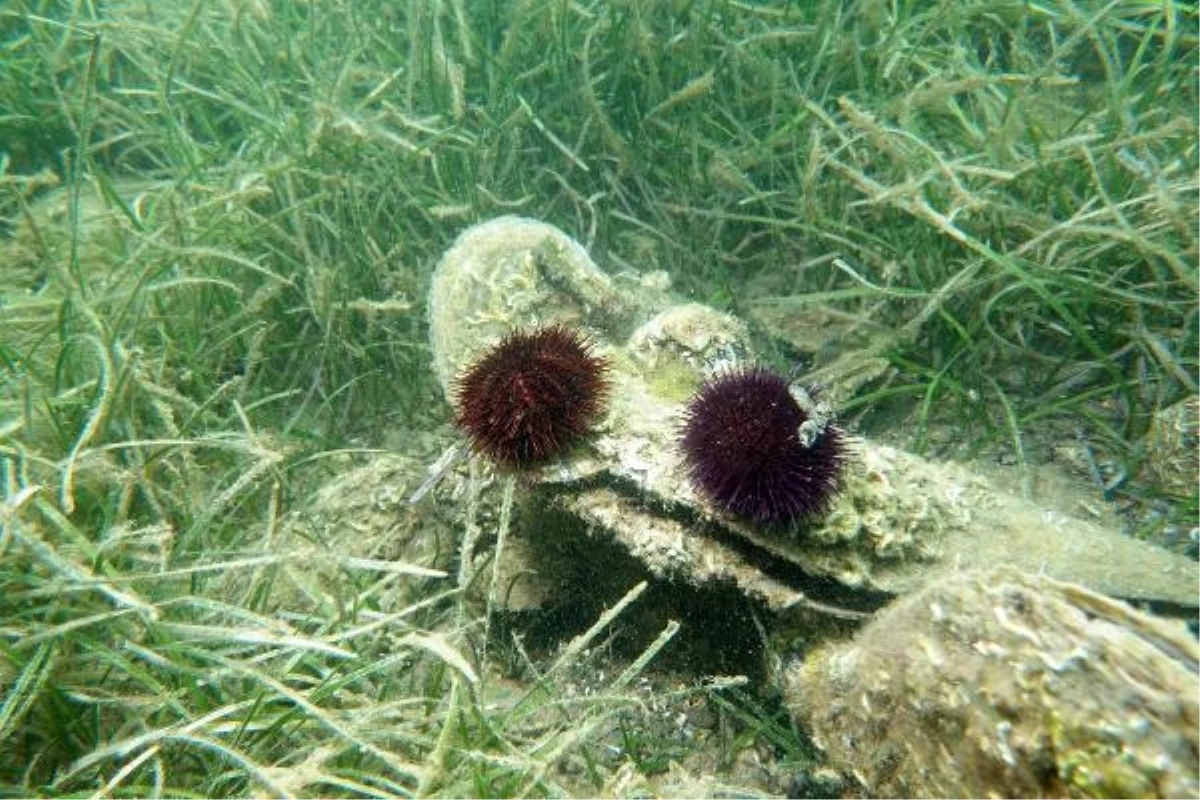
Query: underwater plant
<point x="529" y="397"/>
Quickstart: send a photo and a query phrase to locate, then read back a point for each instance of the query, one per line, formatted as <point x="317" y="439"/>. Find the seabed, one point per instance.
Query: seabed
<point x="232" y="312"/>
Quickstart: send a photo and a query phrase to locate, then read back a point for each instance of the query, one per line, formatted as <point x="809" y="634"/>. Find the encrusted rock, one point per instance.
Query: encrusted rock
<point x="506" y="273"/>
<point x="996" y="683"/>
<point x="900" y="523"/>
<point x="1173" y="447"/>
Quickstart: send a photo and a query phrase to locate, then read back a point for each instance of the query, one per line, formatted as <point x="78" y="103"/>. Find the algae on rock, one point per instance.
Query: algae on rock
<point x="1171" y="447"/>
<point x="900" y="523"/>
<point x="1001" y="684"/>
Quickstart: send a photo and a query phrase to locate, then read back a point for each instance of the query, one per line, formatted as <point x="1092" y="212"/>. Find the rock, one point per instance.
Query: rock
<point x="506" y="273"/>
<point x="1171" y="447"/>
<point x="995" y="683"/>
<point x="899" y="524"/>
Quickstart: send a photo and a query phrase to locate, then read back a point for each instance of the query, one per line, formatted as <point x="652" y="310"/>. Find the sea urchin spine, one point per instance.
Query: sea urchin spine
<point x="532" y="395"/>
<point x="753" y="450"/>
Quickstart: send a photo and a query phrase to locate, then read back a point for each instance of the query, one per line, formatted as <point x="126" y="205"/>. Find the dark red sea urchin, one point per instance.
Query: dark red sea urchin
<point x="532" y="395"/>
<point x="745" y="452"/>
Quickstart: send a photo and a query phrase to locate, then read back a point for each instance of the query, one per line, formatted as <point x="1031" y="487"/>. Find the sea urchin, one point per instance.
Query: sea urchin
<point x="531" y="395"/>
<point x="749" y="451"/>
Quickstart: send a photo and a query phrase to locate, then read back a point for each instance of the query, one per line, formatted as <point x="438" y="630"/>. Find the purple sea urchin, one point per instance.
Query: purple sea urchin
<point x="748" y="450"/>
<point x="532" y="395"/>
